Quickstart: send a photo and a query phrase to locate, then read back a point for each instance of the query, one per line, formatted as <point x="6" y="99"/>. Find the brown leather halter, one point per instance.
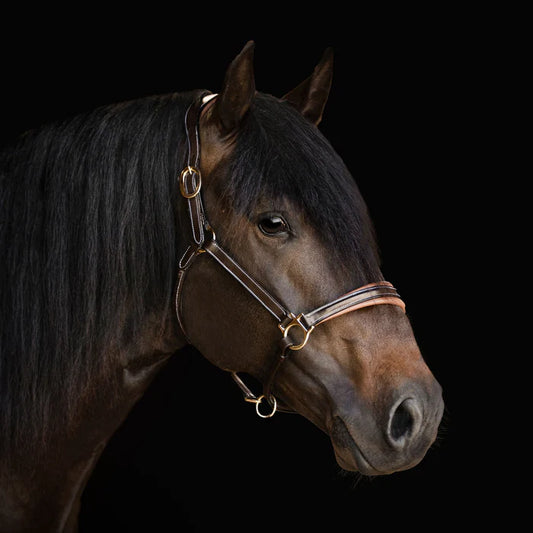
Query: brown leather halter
<point x="204" y="241"/>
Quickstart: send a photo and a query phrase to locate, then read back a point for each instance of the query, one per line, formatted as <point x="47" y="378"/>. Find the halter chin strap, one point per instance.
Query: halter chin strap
<point x="295" y="328"/>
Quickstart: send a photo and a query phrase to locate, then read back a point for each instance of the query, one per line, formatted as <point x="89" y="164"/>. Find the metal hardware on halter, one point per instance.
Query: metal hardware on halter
<point x="250" y="397"/>
<point x="296" y="321"/>
<point x="204" y="241"/>
<point x="274" y="405"/>
<point x="196" y="182"/>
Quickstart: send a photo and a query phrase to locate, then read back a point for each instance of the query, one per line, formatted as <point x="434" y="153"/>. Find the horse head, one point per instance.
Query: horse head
<point x="288" y="214"/>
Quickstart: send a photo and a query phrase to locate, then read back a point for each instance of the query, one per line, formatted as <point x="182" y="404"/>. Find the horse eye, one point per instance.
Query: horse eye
<point x="273" y="225"/>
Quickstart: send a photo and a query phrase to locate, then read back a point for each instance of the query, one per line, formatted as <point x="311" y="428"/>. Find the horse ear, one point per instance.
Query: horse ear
<point x="237" y="93"/>
<point x="311" y="95"/>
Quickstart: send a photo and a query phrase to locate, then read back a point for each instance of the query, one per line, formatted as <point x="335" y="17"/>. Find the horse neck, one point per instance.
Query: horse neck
<point x="43" y="490"/>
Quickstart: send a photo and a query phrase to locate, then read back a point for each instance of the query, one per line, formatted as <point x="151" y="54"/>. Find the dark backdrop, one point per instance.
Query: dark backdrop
<point x="192" y="454"/>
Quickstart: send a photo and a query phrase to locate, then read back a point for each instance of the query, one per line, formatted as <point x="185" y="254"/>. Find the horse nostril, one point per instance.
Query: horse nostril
<point x="404" y="421"/>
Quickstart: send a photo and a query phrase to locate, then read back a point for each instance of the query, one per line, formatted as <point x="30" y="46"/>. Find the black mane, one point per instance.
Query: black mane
<point x="281" y="155"/>
<point x="88" y="238"/>
<point x="87" y="234"/>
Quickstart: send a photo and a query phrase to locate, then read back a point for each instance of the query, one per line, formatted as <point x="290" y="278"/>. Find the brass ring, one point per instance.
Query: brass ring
<point x="258" y="403"/>
<point x="189" y="171"/>
<point x="307" y="332"/>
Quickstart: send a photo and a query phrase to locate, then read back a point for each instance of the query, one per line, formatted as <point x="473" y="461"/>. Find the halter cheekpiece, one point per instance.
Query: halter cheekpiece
<point x="295" y="328"/>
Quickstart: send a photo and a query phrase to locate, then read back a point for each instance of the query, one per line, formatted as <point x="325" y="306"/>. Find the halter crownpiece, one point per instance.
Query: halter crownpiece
<point x="204" y="241"/>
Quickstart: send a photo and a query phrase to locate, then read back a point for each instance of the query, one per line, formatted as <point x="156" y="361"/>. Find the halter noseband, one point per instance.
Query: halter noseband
<point x="204" y="241"/>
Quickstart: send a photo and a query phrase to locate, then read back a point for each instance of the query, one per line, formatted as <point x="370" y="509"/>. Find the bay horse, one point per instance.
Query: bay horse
<point x="223" y="221"/>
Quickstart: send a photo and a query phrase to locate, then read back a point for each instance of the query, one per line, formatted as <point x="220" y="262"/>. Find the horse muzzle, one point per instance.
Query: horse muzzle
<point x="392" y="439"/>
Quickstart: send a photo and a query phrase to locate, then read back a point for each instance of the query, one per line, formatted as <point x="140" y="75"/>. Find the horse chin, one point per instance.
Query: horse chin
<point x="347" y="453"/>
<point x="353" y="460"/>
<point x="350" y="457"/>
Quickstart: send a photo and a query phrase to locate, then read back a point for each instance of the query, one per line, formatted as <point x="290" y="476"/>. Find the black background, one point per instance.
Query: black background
<point x="192" y="456"/>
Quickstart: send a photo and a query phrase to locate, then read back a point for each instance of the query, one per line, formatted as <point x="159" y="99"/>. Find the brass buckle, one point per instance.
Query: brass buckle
<point x="196" y="182"/>
<point x="296" y="321"/>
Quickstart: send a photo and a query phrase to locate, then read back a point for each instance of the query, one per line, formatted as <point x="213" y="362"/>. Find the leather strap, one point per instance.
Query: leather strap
<point x="381" y="292"/>
<point x="277" y="310"/>
<point x="190" y="184"/>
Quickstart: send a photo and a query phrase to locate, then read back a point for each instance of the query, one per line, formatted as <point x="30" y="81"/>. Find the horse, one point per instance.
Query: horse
<point x="224" y="221"/>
